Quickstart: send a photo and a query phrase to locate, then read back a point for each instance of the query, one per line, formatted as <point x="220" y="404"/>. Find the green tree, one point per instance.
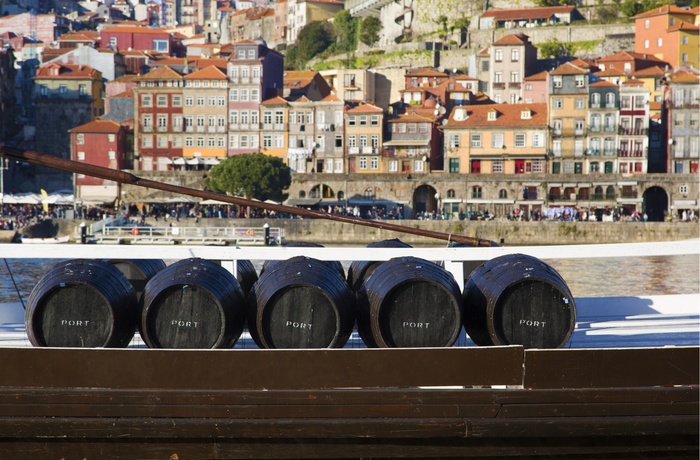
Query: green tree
<point x="345" y="31"/>
<point x="369" y="30"/>
<point x="553" y="48"/>
<point x="251" y="175"/>
<point x="631" y="8"/>
<point x="313" y="39"/>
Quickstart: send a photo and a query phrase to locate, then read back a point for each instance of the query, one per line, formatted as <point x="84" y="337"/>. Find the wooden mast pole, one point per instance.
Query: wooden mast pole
<point x="128" y="178"/>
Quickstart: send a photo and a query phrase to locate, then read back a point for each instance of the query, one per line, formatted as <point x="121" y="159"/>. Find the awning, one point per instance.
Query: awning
<point x="629" y="200"/>
<point x="211" y="161"/>
<point x="530" y="202"/>
<point x="407" y="143"/>
<point x="302" y="201"/>
<point x="685" y="203"/>
<point x="164" y="160"/>
<point x="194" y="161"/>
<point x="179" y="161"/>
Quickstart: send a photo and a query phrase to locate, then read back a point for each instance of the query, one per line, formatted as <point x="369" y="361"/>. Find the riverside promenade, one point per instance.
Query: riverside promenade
<point x="512" y="233"/>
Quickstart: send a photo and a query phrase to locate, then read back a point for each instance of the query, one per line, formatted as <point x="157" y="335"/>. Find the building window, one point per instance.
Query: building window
<point x="497" y="166"/>
<point x="189" y="101"/>
<point x="659" y="42"/>
<point x="200" y="101"/>
<point x="81" y="156"/>
<point x="476" y="192"/>
<point x="374" y="120"/>
<point x="160" y="45"/>
<point x="580" y="81"/>
<point x="514" y="55"/>
<point x="497" y="140"/>
<point x="476" y="140"/>
<point x="454" y="165"/>
<point x="162" y="101"/>
<point x="363" y="162"/>
<point x="498" y="55"/>
<point x="557" y="103"/>
<point x="418" y="166"/>
<point x="374" y="163"/>
<point x="557" y="81"/>
<point x="520" y="140"/>
<point x="454" y="140"/>
<point x="147" y="100"/>
<point x="579" y="103"/>
<point x="537" y="140"/>
<point x="80" y="139"/>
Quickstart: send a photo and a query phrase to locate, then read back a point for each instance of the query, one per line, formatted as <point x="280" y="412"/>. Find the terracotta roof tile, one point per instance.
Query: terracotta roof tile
<point x="366" y="108"/>
<point x="161" y="73"/>
<point x="275" y="101"/>
<point x="208" y="73"/>
<point x="513" y="39"/>
<point x="66" y="71"/>
<point x="427" y="72"/>
<point x="666" y="9"/>
<point x="97" y="126"/>
<point x="541" y="76"/>
<point x="508" y="115"/>
<point x="568" y="68"/>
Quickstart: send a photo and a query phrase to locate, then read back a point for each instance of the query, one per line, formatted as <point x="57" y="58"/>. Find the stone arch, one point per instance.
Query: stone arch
<point x="424" y="199"/>
<point x="321" y="191"/>
<point x="655" y="203"/>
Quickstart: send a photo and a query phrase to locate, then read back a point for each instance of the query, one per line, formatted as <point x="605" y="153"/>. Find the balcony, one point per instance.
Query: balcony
<point x="499" y="85"/>
<point x="594" y="128"/>
<point x="627" y="131"/>
<point x="353" y="150"/>
<point x="636" y="153"/>
<point x="514" y="85"/>
<point x="201" y="129"/>
<point x="368" y="150"/>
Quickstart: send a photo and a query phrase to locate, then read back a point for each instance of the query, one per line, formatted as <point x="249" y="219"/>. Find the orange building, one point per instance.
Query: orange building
<point x="670" y="33"/>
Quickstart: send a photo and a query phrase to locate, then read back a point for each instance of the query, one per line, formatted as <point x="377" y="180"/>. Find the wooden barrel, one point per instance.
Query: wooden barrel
<point x="138" y="271"/>
<point x="193" y="303"/>
<point x="409" y="302"/>
<point x="359" y="269"/>
<point x="336" y="265"/>
<point x="246" y="274"/>
<point x="300" y="303"/>
<point x="82" y="303"/>
<point x="517" y="299"/>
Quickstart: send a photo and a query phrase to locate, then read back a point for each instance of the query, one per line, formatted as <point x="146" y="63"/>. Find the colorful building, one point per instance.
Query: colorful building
<point x="670" y="33"/>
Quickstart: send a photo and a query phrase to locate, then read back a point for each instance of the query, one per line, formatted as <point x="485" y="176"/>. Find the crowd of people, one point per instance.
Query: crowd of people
<point x="17" y="216"/>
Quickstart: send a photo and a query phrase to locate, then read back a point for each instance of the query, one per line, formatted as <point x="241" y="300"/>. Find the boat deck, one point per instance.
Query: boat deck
<point x="626" y="387"/>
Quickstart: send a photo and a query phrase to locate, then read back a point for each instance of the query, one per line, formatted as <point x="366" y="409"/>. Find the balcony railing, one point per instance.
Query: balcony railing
<point x="514" y="85"/>
<point x="499" y="85"/>
<point x="627" y="131"/>
<point x="353" y="150"/>
<point x="147" y="129"/>
<point x="636" y="153"/>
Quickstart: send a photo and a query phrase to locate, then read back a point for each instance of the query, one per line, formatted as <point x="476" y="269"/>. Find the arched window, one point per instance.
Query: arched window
<point x="610" y="193"/>
<point x="502" y="194"/>
<point x="450" y="193"/>
<point x="302" y="194"/>
<point x="341" y="195"/>
<point x="369" y="193"/>
<point x="555" y="193"/>
<point x="598" y="192"/>
<point x="595" y="100"/>
<point x="476" y="191"/>
<point x="595" y="167"/>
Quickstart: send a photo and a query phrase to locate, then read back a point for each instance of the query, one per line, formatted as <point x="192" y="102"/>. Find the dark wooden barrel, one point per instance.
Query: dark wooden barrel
<point x="300" y="303"/>
<point x="336" y="265"/>
<point x="138" y="271"/>
<point x="246" y="274"/>
<point x="409" y="302"/>
<point x="193" y="303"/>
<point x="518" y="299"/>
<point x="82" y="303"/>
<point x="361" y="269"/>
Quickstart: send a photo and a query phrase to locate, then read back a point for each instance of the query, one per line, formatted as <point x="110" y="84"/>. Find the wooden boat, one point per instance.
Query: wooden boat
<point x="466" y="401"/>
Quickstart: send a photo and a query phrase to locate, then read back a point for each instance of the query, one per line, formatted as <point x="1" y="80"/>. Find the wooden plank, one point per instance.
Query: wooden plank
<point x="668" y="448"/>
<point x="630" y="367"/>
<point x="260" y="369"/>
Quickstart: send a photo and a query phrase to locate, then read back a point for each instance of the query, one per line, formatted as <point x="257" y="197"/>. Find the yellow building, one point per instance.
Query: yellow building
<point x="364" y="128"/>
<point x="496" y="139"/>
<point x="205" y="115"/>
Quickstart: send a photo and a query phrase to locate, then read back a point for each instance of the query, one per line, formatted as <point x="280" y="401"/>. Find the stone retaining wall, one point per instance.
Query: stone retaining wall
<point x="513" y="233"/>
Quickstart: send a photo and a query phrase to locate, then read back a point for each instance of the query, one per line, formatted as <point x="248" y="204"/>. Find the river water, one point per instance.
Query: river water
<point x="595" y="277"/>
